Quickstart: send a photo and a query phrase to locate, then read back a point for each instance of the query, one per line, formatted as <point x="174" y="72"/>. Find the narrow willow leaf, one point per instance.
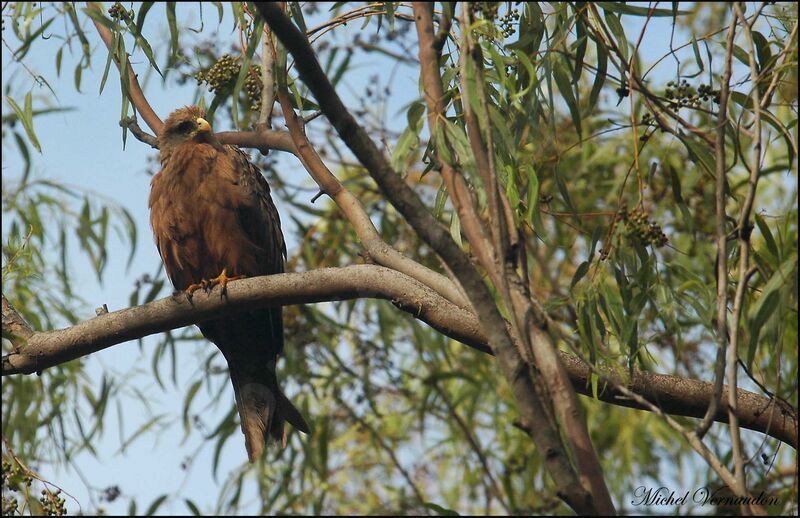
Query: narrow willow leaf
<point x="565" y="87"/>
<point x="297" y="15"/>
<point x="402" y="149"/>
<point x="155" y="505"/>
<point x="109" y="57"/>
<point x="623" y="8"/>
<point x="619" y="34"/>
<point x="768" y="238"/>
<point x="699" y="153"/>
<point x="174" y="45"/>
<point x="600" y="76"/>
<point x="26" y="119"/>
<point x="697" y="59"/>
<point x="580" y="272"/>
<point x="580" y="50"/>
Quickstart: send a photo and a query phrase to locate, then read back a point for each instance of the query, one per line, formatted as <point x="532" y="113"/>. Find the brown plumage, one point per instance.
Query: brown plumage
<point x="212" y="214"/>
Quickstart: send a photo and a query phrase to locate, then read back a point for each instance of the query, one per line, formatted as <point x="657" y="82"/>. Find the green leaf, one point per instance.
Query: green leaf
<point x="414" y="115"/>
<point x="78" y="73"/>
<point x="531" y="71"/>
<point x="59" y="55"/>
<point x="20" y="53"/>
<point x="187" y="403"/>
<point x="763" y="51"/>
<point x="580" y="50"/>
<point x="624" y="8"/>
<point x="586" y="329"/>
<point x="140" y="40"/>
<point x="697" y="59"/>
<point x="768" y="238"/>
<point x="565" y="87"/>
<point x="699" y="153"/>
<point x="619" y="34"/>
<point x="97" y="15"/>
<point x="531" y="30"/>
<point x="173" y="33"/>
<point x="600" y="75"/>
<point x="220" y="10"/>
<point x="111" y="52"/>
<point x="439" y="510"/>
<point x="441" y="199"/>
<point x="533" y="193"/>
<point x="26" y="118"/>
<point x="455" y="228"/>
<point x="579" y="274"/>
<point x="297" y="15"/>
<point x="741" y="54"/>
<point x="155" y="505"/>
<point x="192" y="507"/>
<point x="143" y="9"/>
<point x="405" y="144"/>
<point x="341" y="69"/>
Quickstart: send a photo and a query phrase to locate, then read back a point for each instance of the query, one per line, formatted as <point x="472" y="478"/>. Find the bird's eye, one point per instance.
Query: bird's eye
<point x="185" y="127"/>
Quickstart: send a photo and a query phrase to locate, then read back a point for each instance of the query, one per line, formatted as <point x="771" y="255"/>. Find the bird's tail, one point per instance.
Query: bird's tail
<point x="263" y="410"/>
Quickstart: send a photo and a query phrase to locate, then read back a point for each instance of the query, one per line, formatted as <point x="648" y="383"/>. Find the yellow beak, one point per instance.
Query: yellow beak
<point x="203" y="126"/>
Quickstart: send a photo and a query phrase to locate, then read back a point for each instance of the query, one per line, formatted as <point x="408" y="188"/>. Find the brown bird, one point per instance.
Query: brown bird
<point x="214" y="221"/>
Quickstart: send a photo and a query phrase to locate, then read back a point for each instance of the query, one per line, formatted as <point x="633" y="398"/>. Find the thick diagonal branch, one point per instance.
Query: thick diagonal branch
<point x="515" y="370"/>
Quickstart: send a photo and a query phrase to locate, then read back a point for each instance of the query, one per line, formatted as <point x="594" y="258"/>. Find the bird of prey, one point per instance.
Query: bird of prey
<point x="214" y="221"/>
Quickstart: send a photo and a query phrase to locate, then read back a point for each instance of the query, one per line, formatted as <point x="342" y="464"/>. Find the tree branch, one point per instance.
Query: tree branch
<point x="721" y="234"/>
<point x="41" y="350"/>
<point x="37" y="350"/>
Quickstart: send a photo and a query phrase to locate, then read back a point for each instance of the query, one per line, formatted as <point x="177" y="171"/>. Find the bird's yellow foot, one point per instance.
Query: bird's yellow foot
<point x="189" y="291"/>
<point x="222" y="279"/>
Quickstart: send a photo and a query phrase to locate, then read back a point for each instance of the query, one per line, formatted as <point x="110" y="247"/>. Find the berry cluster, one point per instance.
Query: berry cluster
<point x="684" y="94"/>
<point x="52" y="503"/>
<point x="507" y="22"/>
<point x="639" y="226"/>
<point x="489" y="10"/>
<point x="253" y="86"/>
<point x="14" y="477"/>
<point x="118" y="12"/>
<point x="223" y="73"/>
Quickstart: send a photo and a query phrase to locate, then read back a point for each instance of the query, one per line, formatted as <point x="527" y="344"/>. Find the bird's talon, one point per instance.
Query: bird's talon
<point x="189" y="291"/>
<point x="223" y="279"/>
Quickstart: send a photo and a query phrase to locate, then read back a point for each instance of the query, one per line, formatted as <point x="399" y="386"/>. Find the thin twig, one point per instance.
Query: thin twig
<point x="745" y="229"/>
<point x="140" y="134"/>
<point x="135" y="91"/>
<point x="722" y="251"/>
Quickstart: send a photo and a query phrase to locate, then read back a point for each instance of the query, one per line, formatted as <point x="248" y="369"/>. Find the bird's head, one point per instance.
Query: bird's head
<point x="185" y="125"/>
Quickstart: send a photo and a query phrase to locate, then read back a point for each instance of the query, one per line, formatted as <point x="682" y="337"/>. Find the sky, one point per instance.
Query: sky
<point x="84" y="148"/>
